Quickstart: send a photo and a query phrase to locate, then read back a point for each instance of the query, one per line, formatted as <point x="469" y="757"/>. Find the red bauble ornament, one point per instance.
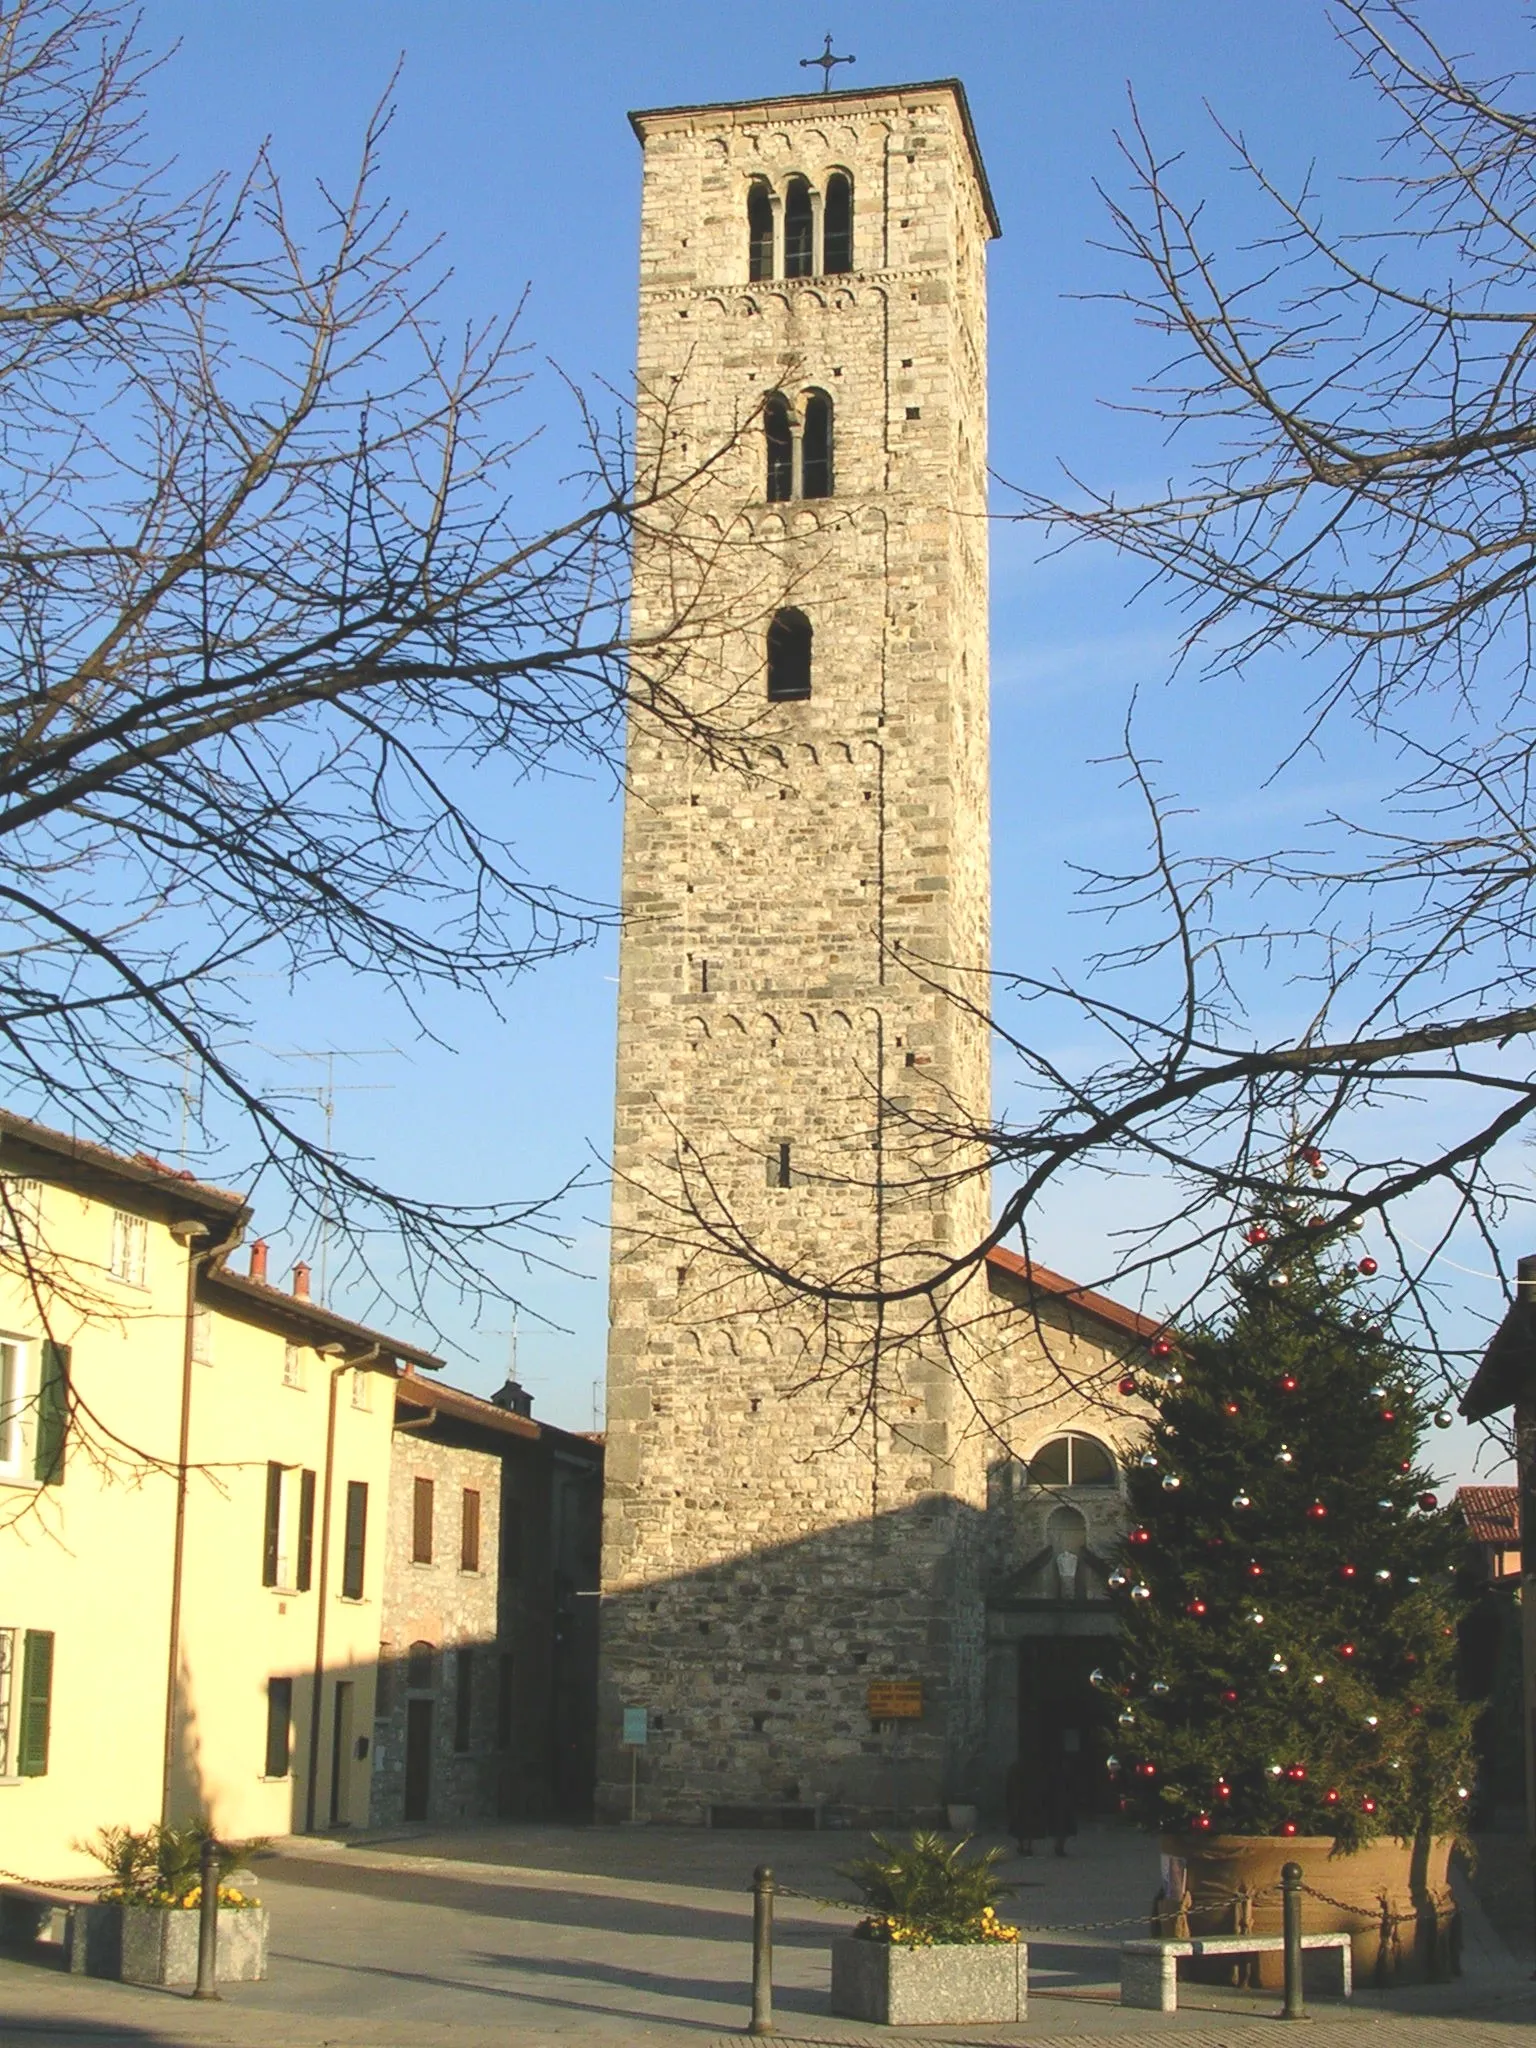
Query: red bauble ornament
<point x="1139" y="1536"/>
<point x="1368" y="1267"/>
<point x="1410" y="1656"/>
<point x="1195" y="1607"/>
<point x="1367" y="1804"/>
<point x="1406" y="1466"/>
<point x="1429" y="1502"/>
<point x="1389" y="1415"/>
<point x="1287" y="1383"/>
<point x="1145" y="1770"/>
<point x="1317" y="1512"/>
<point x="1230" y="1408"/>
<point x="1257" y="1234"/>
<point x="1331" y="1796"/>
<point x="1229" y="1697"/>
<point x="1296" y="1772"/>
<point x="1127" y="1385"/>
<point x="1346" y="1571"/>
<point x="1287" y="1827"/>
<point x="1215" y="1542"/>
<point x="1123" y="1803"/>
<point x="1202" y="1822"/>
<point x="1161" y="1347"/>
<point x="1415" y="1709"/>
<point x="1223" y="1789"/>
<point x="1346" y="1649"/>
<point x="1254" y="1569"/>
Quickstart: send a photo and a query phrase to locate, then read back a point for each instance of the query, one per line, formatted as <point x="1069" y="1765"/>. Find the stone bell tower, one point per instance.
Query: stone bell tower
<point x="795" y="1485"/>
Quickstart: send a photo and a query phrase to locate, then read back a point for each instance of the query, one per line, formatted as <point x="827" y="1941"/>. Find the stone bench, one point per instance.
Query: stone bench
<point x="87" y="1932"/>
<point x="1149" y="1969"/>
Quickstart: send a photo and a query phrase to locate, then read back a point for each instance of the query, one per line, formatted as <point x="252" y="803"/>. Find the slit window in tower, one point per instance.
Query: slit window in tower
<point x="797" y="229"/>
<point x="780" y="1172"/>
<point x="837" y="224"/>
<point x="789" y="657"/>
<point x="816" y="447"/>
<point x="780" y="448"/>
<point x="759" y="231"/>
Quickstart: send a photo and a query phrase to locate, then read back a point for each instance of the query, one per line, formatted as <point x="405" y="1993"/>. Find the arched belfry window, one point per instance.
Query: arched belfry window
<point x="759" y="231"/>
<point x="797" y="229"/>
<point x="816" y="447"/>
<point x="837" y="223"/>
<point x="779" y="449"/>
<point x="1072" y="1460"/>
<point x="789" y="657"/>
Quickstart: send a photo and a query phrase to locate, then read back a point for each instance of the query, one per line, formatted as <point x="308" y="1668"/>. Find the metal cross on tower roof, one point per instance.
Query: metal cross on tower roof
<point x="827" y="62"/>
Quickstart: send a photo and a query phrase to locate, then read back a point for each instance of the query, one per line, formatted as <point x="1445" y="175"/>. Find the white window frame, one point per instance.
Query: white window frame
<point x="26" y="1203"/>
<point x="289" y="1496"/>
<point x="8" y="1640"/>
<point x="130" y="1248"/>
<point x="362" y="1389"/>
<point x="294" y="1373"/>
<point x="202" y="1335"/>
<point x="16" y="1396"/>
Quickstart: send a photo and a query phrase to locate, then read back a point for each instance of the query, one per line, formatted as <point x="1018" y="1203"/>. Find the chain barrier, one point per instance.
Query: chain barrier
<point x="56" y="1884"/>
<point x="1383" y="1918"/>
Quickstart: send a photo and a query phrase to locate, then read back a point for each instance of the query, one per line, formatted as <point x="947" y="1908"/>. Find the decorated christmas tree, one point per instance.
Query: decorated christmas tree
<point x="1286" y="1585"/>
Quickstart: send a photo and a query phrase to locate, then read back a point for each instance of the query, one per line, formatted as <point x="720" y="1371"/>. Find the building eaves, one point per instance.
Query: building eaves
<point x="1507" y="1373"/>
<point x="815" y="103"/>
<point x="455" y="1405"/>
<point x="260" y="1302"/>
<point x="1087" y="1300"/>
<point x="78" y="1160"/>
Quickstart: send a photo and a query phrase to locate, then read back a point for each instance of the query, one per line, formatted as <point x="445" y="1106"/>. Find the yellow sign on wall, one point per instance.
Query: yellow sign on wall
<point x="896" y="1699"/>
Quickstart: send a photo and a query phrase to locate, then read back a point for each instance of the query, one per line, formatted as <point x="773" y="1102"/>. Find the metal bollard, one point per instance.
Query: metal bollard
<point x="208" y="1924"/>
<point x="1290" y="1907"/>
<point x="762" y="1951"/>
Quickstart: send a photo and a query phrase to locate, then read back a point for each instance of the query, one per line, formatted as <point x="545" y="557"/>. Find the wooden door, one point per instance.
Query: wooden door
<point x="341" y="1754"/>
<point x="418" y="1758"/>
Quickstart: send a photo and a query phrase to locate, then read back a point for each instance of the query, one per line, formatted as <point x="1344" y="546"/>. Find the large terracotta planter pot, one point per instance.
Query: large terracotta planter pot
<point x="1393" y="1898"/>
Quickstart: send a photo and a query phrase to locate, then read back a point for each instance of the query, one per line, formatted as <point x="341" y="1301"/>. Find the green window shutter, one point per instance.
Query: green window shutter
<point x="36" y="1703"/>
<point x="306" y="1569"/>
<point x="52" y="1414"/>
<point x="274" y="1519"/>
<point x="357" y="1540"/>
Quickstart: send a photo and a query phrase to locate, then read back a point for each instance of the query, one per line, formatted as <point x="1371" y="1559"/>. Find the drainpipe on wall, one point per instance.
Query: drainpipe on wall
<point x="188" y="1234"/>
<point x="317" y="1691"/>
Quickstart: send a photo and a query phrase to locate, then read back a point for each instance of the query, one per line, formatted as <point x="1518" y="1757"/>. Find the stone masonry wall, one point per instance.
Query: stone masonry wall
<point x="794" y="1499"/>
<point x="452" y="1609"/>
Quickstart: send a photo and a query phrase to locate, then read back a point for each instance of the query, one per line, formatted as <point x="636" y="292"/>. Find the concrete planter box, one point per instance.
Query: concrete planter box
<point x="160" y="1945"/>
<point x="968" y="1984"/>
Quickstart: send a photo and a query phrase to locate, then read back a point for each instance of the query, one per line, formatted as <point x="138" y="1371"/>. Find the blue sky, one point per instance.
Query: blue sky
<point x="510" y="142"/>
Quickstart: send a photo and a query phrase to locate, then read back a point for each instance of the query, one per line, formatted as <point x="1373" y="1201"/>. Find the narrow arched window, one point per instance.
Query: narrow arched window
<point x="780" y="449"/>
<point x="1072" y="1460"/>
<point x="797" y="229"/>
<point x="837" y="223"/>
<point x="789" y="657"/>
<point x="816" y="447"/>
<point x="759" y="231"/>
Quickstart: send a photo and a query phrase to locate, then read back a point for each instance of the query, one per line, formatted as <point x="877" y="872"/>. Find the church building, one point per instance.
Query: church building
<point x="856" y="1504"/>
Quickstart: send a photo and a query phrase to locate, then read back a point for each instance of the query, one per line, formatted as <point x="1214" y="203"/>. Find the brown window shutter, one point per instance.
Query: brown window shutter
<point x="469" y="1546"/>
<point x="421" y="1524"/>
<point x="279" y="1726"/>
<point x="270" y="1533"/>
<point x="306" y="1570"/>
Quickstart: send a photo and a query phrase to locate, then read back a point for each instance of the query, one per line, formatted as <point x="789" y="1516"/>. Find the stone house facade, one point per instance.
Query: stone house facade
<point x="487" y="1651"/>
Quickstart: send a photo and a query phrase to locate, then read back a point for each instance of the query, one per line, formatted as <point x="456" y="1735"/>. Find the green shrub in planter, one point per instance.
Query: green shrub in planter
<point x="927" y="1893"/>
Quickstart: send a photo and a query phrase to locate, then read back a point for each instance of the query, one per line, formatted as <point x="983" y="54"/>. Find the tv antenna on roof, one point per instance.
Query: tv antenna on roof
<point x="827" y="62"/>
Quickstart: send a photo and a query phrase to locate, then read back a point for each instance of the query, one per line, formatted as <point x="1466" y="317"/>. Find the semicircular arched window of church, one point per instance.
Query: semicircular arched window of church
<point x="1072" y="1460"/>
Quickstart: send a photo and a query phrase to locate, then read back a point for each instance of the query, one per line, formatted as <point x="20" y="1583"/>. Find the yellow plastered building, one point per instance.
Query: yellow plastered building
<point x="194" y="1480"/>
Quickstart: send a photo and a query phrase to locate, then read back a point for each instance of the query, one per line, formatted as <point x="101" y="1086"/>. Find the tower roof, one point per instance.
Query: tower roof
<point x="825" y="102"/>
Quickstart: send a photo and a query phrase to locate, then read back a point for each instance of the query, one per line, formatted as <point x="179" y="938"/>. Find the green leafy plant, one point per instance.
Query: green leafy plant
<point x="926" y="1893"/>
<point x="163" y="1866"/>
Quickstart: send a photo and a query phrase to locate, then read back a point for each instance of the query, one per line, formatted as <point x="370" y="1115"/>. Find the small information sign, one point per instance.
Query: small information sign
<point x="636" y="1721"/>
<point x="896" y="1699"/>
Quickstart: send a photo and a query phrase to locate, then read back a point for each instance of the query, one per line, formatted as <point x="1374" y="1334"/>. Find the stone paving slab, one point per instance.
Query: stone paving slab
<point x="490" y="1940"/>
